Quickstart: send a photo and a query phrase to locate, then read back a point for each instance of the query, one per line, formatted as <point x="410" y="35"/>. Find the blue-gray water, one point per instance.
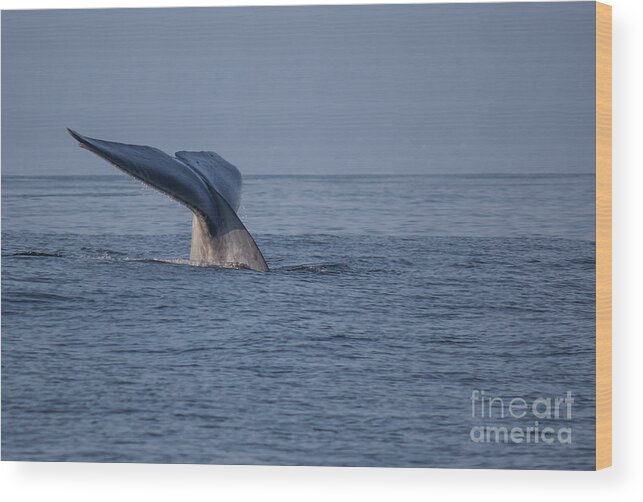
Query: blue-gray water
<point x="390" y="299"/>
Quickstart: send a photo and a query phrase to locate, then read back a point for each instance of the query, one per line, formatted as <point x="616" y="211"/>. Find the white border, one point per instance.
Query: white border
<point x="111" y="482"/>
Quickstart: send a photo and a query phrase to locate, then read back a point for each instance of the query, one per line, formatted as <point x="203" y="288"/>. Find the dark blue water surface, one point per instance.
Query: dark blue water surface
<point x="389" y="301"/>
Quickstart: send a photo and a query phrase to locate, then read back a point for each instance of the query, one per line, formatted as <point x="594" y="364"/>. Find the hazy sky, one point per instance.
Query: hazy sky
<point x="348" y="89"/>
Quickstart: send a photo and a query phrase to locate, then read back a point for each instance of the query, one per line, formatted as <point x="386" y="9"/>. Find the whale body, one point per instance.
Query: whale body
<point x="206" y="184"/>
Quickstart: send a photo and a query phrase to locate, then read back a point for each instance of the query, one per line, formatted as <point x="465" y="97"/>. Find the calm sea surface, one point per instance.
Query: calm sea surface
<point x="389" y="301"/>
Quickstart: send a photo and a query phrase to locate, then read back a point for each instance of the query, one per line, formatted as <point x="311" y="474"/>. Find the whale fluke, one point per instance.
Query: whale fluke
<point x="203" y="182"/>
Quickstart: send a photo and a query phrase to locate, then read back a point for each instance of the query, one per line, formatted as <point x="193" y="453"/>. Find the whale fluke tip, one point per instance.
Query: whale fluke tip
<point x="74" y="134"/>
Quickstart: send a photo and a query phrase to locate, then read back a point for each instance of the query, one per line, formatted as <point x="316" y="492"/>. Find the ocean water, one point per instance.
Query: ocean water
<point x="390" y="299"/>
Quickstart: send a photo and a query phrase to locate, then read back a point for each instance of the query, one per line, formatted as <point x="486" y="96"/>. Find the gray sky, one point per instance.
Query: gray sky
<point x="442" y="88"/>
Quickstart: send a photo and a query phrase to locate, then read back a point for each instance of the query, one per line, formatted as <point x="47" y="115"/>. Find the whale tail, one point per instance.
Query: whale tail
<point x="203" y="182"/>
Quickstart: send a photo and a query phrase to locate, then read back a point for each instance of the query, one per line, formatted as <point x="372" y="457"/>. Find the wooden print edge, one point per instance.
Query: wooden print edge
<point x="603" y="235"/>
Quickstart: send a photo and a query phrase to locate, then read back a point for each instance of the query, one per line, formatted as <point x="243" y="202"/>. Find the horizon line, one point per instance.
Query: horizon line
<point x="93" y="175"/>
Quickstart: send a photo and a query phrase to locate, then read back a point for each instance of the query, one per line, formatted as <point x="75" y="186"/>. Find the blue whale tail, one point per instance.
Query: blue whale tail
<point x="203" y="182"/>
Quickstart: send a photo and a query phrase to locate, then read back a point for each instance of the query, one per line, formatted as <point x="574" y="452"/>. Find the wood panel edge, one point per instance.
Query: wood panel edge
<point x="603" y="235"/>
